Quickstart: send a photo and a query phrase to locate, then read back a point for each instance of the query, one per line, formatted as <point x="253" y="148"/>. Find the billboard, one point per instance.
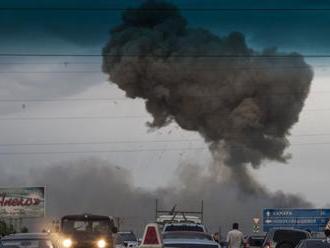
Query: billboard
<point x="27" y="202"/>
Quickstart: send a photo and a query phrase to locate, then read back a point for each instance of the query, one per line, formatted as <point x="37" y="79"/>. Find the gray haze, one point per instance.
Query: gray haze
<point x="97" y="186"/>
<point x="243" y="102"/>
<point x="24" y="80"/>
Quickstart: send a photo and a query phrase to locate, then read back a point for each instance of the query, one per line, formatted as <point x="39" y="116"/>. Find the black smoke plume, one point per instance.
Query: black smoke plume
<point x="242" y="101"/>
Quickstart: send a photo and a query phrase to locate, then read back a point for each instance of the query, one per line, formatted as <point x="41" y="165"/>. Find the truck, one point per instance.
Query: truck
<point x="87" y="230"/>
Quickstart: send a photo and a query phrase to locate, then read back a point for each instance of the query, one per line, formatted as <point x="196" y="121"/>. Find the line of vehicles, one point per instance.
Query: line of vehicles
<point x="175" y="230"/>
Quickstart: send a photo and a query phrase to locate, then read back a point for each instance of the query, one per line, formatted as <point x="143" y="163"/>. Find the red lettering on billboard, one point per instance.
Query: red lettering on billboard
<point x="13" y="202"/>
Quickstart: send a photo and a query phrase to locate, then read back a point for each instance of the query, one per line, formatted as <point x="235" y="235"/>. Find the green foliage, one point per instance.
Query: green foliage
<point x="6" y="229"/>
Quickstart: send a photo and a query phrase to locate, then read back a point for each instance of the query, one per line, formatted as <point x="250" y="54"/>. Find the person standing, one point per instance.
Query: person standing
<point x="327" y="235"/>
<point x="235" y="237"/>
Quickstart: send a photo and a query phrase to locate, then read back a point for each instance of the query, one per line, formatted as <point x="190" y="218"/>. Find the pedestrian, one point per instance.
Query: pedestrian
<point x="235" y="237"/>
<point x="327" y="235"/>
<point x="216" y="237"/>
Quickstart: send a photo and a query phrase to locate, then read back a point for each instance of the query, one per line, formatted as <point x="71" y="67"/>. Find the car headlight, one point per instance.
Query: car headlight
<point x="101" y="243"/>
<point x="67" y="243"/>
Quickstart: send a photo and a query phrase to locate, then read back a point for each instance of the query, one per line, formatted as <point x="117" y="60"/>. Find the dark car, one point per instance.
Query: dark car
<point x="87" y="230"/>
<point x="285" y="238"/>
<point x="35" y="240"/>
<point x="255" y="241"/>
<point x="313" y="243"/>
<point x="127" y="239"/>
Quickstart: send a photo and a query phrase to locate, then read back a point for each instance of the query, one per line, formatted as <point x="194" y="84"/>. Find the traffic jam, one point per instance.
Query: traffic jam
<point x="174" y="230"/>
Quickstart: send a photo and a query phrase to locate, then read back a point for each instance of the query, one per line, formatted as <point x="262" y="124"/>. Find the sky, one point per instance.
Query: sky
<point x="63" y="108"/>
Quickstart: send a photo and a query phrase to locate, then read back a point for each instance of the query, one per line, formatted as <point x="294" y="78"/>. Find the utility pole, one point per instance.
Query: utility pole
<point x="156" y="209"/>
<point x="118" y="222"/>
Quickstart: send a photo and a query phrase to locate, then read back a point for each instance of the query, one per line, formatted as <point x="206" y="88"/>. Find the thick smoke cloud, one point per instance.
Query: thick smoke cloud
<point x="87" y="186"/>
<point x="97" y="186"/>
<point x="238" y="99"/>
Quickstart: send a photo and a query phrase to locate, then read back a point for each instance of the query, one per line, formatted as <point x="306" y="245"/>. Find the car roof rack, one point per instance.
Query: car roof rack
<point x="176" y="216"/>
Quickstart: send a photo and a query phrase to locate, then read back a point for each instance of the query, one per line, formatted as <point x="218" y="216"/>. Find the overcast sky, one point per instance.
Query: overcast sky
<point x="57" y="102"/>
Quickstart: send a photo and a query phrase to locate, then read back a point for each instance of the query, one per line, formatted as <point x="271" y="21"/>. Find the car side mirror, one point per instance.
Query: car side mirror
<point x="114" y="229"/>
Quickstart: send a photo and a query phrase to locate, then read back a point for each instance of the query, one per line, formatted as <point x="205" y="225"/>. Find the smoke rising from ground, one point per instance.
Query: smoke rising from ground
<point x="96" y="186"/>
<point x="242" y="101"/>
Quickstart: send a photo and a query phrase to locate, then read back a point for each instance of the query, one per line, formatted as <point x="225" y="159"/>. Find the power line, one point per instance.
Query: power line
<point x="106" y="9"/>
<point x="52" y="72"/>
<point x="133" y="141"/>
<point x="316" y="109"/>
<point x="113" y="99"/>
<point x="105" y="151"/>
<point x="133" y="150"/>
<point x="73" y="118"/>
<point x="285" y="68"/>
<point x="100" y="142"/>
<point x="68" y="99"/>
<point x="208" y="68"/>
<point x="65" y="63"/>
<point x="70" y="63"/>
<point x="33" y="118"/>
<point x="278" y="56"/>
<point x="312" y="144"/>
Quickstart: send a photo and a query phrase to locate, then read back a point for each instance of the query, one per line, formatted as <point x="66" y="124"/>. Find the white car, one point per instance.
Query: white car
<point x="176" y="239"/>
<point x="189" y="239"/>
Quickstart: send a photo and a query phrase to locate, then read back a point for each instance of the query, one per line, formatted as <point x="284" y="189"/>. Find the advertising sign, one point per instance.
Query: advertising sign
<point x="26" y="202"/>
<point x="314" y="220"/>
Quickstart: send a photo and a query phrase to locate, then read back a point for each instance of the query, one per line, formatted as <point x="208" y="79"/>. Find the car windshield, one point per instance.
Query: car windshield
<point x="85" y="226"/>
<point x="196" y="228"/>
<point x="127" y="237"/>
<point x="255" y="241"/>
<point x="288" y="238"/>
<point x="27" y="243"/>
<point x="186" y="235"/>
<point x="185" y="245"/>
<point x="315" y="244"/>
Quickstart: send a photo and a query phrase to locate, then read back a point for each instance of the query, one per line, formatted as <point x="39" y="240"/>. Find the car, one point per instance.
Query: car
<point x="313" y="243"/>
<point x="193" y="240"/>
<point x="284" y="238"/>
<point x="176" y="239"/>
<point x="127" y="239"/>
<point x="35" y="240"/>
<point x="87" y="230"/>
<point x="190" y="243"/>
<point x="254" y="241"/>
<point x="189" y="239"/>
<point x="194" y="227"/>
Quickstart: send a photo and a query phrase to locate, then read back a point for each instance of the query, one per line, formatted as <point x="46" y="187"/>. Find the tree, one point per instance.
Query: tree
<point x="24" y="229"/>
<point x="6" y="229"/>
